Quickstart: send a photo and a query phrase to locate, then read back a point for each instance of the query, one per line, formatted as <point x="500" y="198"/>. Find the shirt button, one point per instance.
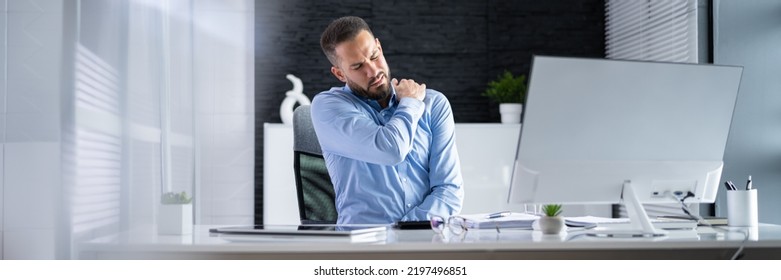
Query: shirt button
<point x="409" y="205"/>
<point x="404" y="179"/>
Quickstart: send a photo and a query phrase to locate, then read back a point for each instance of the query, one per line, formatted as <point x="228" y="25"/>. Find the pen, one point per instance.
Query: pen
<point x="498" y="215"/>
<point x="726" y="184"/>
<point x="732" y="186"/>
<point x="748" y="183"/>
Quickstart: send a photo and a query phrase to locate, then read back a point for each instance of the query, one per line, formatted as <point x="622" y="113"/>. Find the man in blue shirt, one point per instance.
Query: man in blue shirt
<point x="389" y="145"/>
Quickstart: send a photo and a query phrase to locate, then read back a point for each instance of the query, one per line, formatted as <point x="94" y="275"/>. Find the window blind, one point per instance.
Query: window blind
<point x="652" y="30"/>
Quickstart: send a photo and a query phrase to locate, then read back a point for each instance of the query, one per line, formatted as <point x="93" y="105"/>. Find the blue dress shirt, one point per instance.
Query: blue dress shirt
<point x="387" y="165"/>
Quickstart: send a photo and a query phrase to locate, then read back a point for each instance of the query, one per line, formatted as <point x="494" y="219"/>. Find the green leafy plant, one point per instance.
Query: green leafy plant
<point x="175" y="198"/>
<point x="507" y="88"/>
<point x="551" y="210"/>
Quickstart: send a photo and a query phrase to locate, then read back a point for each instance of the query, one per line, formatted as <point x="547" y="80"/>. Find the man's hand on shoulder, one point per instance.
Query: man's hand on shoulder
<point x="409" y="88"/>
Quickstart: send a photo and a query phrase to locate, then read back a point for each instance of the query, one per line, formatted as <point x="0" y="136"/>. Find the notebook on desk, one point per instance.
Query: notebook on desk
<point x="510" y="220"/>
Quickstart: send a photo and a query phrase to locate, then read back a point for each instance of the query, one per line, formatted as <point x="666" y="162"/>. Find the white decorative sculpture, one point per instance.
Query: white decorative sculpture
<point x="292" y="96"/>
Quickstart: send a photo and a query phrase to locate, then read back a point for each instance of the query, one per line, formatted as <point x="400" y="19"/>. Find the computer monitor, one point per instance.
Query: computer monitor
<point x="601" y="131"/>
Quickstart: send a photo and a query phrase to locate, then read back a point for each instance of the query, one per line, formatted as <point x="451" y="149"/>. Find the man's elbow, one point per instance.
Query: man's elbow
<point x="394" y="156"/>
<point x="392" y="151"/>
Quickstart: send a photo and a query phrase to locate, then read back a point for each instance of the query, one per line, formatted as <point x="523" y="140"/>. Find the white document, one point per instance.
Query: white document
<point x="513" y="220"/>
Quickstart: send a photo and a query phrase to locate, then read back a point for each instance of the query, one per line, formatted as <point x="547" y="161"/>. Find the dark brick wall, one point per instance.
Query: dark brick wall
<point x="454" y="46"/>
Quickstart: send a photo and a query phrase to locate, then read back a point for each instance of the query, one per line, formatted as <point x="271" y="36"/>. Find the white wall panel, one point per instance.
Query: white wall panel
<point x="2" y="127"/>
<point x="31" y="178"/>
<point x="28" y="244"/>
<point x="232" y="220"/>
<point x="2" y="192"/>
<point x="230" y="155"/>
<point x="224" y="6"/>
<point x="30" y="82"/>
<point x="224" y="86"/>
<point x="3" y="60"/>
<point x="32" y="126"/>
<point x="32" y="6"/>
<point x="233" y="207"/>
<point x="32" y="85"/>
<point x="3" y="85"/>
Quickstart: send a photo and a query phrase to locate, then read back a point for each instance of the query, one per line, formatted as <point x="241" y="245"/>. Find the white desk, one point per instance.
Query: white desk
<point x="707" y="243"/>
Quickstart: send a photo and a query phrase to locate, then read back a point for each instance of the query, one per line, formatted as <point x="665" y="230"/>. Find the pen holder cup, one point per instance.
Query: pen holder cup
<point x="742" y="208"/>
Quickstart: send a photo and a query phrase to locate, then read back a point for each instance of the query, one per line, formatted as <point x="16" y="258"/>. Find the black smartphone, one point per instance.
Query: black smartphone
<point x="413" y="225"/>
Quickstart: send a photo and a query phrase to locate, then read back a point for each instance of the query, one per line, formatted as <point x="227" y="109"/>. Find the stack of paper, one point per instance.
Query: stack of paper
<point x="586" y="221"/>
<point x="513" y="220"/>
<point x="707" y="220"/>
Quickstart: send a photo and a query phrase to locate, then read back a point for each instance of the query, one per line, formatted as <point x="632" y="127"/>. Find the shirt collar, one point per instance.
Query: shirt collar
<point x="373" y="103"/>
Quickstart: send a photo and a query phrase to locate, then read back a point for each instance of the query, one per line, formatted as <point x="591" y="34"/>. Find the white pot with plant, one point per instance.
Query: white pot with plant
<point x="176" y="214"/>
<point x="551" y="222"/>
<point x="509" y="91"/>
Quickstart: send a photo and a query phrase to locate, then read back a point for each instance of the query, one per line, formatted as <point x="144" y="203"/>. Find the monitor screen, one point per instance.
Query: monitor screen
<point x="590" y="125"/>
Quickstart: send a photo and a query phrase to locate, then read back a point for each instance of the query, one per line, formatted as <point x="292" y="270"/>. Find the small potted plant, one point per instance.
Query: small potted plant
<point x="176" y="214"/>
<point x="551" y="223"/>
<point x="509" y="91"/>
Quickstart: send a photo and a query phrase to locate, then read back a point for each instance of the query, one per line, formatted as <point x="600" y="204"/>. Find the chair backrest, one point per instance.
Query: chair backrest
<point x="313" y="184"/>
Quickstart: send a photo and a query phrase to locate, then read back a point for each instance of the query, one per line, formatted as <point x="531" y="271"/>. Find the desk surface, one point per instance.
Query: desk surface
<point x="763" y="242"/>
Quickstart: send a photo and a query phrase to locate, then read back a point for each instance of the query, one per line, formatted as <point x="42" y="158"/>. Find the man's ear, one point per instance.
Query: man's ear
<point x="338" y="73"/>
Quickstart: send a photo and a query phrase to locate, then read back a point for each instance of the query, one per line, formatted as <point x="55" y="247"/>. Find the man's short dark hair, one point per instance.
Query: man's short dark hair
<point x="340" y="30"/>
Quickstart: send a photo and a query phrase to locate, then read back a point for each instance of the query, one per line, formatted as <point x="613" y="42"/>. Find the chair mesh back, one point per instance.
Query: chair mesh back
<point x="313" y="184"/>
<point x="317" y="192"/>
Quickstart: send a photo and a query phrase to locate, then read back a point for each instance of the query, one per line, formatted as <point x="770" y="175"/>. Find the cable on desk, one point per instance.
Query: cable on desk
<point x="738" y="253"/>
<point x="686" y="210"/>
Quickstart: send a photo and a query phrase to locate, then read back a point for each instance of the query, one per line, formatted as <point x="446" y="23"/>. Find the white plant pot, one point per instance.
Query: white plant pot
<point x="511" y="112"/>
<point x="551" y="225"/>
<point x="175" y="219"/>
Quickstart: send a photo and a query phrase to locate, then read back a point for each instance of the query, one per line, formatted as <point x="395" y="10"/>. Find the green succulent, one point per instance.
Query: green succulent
<point x="507" y="88"/>
<point x="551" y="210"/>
<point x="175" y="198"/>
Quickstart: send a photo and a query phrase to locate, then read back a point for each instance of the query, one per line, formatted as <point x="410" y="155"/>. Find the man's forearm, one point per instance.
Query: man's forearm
<point x="444" y="200"/>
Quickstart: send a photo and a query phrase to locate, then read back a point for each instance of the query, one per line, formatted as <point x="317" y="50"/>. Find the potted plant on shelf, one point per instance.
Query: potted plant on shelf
<point x="551" y="223"/>
<point x="509" y="91"/>
<point x="176" y="214"/>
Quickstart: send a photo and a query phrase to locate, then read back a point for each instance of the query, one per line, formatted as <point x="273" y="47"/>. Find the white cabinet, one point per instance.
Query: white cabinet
<point x="280" y="204"/>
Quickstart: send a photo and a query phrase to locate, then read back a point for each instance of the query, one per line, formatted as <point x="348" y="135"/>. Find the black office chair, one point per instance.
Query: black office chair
<point x="313" y="184"/>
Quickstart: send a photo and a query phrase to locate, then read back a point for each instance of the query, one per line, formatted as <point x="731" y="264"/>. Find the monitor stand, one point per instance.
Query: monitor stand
<point x="640" y="224"/>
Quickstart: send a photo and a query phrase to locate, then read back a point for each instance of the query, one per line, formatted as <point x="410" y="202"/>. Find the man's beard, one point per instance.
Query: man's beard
<point x="379" y="93"/>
